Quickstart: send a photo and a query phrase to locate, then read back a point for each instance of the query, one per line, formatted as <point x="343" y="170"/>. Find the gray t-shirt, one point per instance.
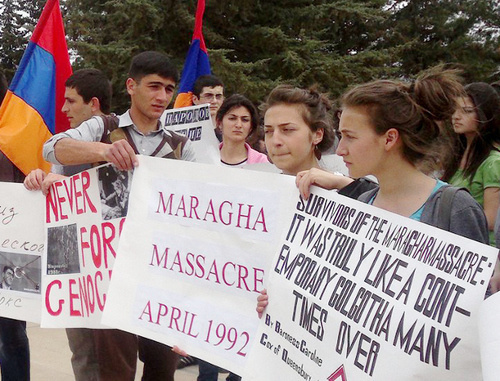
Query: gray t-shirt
<point x="466" y="219"/>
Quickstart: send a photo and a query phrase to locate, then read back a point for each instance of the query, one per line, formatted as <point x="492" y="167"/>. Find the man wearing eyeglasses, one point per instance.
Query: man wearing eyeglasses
<point x="209" y="89"/>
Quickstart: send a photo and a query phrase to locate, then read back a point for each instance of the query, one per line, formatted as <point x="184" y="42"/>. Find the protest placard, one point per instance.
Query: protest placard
<point x="22" y="244"/>
<point x="193" y="256"/>
<point x="489" y="337"/>
<point x="195" y="122"/>
<point x="84" y="217"/>
<point x="358" y="293"/>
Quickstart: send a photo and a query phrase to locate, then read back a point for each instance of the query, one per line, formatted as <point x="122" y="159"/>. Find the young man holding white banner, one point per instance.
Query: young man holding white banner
<point x="87" y="94"/>
<point x="151" y="84"/>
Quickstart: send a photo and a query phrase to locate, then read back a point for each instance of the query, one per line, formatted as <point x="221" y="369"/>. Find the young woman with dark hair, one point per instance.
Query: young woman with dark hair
<point x="298" y="128"/>
<point x="238" y="119"/>
<point x="476" y="163"/>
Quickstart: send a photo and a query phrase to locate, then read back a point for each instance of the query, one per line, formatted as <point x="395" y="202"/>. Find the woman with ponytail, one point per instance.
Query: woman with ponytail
<point x="389" y="129"/>
<point x="298" y="127"/>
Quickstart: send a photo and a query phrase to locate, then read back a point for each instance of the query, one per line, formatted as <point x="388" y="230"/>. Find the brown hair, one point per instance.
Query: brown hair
<point x="316" y="110"/>
<point x="487" y="106"/>
<point x="418" y="110"/>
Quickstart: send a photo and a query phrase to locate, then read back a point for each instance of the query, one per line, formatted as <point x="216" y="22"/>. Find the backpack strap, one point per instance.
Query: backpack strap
<point x="444" y="212"/>
<point x="110" y="124"/>
<point x="358" y="187"/>
<point x="171" y="146"/>
<point x="112" y="133"/>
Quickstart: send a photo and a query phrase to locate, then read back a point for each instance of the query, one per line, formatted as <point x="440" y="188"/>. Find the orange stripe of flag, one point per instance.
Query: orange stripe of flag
<point x="14" y="112"/>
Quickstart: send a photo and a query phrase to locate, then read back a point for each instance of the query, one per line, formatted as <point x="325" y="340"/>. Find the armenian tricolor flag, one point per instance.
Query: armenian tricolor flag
<point x="197" y="62"/>
<point x="31" y="111"/>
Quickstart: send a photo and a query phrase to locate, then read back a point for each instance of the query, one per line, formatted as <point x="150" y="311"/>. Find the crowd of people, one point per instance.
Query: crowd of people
<point x="417" y="139"/>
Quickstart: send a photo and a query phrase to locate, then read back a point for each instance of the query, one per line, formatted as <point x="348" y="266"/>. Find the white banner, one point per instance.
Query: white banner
<point x="22" y="244"/>
<point x="84" y="217"/>
<point x="489" y="336"/>
<point x="195" y="122"/>
<point x="358" y="293"/>
<point x="193" y="256"/>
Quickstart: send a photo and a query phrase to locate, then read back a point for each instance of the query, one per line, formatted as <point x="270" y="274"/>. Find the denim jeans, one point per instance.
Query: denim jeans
<point x="14" y="350"/>
<point x="209" y="372"/>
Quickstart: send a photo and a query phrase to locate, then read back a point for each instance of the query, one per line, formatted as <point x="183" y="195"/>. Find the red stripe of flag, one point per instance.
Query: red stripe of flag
<point x="31" y="110"/>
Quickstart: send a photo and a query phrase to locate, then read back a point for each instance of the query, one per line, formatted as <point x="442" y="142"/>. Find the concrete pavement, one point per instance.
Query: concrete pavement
<point x="51" y="357"/>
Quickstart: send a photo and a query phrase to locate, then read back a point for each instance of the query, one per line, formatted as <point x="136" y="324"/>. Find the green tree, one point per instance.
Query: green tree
<point x="106" y="34"/>
<point x="255" y="44"/>
<point x="12" y="39"/>
<point x="17" y="22"/>
<point x="424" y="33"/>
<point x="300" y="42"/>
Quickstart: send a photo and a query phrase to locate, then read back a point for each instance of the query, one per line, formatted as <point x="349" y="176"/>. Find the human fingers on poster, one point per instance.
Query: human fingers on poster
<point x="196" y="247"/>
<point x="355" y="290"/>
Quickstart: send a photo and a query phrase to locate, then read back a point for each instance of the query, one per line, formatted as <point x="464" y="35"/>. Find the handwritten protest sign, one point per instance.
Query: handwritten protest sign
<point x="358" y="293"/>
<point x="195" y="123"/>
<point x="22" y="244"/>
<point x="193" y="256"/>
<point x="84" y="217"/>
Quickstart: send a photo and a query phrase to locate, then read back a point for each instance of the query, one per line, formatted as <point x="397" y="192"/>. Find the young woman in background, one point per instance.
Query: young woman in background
<point x="237" y="119"/>
<point x="387" y="130"/>
<point x="476" y="163"/>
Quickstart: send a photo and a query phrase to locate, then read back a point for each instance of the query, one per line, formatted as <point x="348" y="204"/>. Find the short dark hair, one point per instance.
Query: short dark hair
<point x="202" y="81"/>
<point x="152" y="62"/>
<point x="7" y="267"/>
<point x="90" y="83"/>
<point x="4" y="86"/>
<point x="237" y="100"/>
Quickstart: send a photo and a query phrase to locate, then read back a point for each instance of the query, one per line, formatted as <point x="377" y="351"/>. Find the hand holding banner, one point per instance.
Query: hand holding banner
<point x="193" y="256"/>
<point x="84" y="217"/>
<point x="356" y="291"/>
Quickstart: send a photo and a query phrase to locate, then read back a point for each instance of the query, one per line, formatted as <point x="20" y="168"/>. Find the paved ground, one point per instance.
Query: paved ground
<point x="50" y="357"/>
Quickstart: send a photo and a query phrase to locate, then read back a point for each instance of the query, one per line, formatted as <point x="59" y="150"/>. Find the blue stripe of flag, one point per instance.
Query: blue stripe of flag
<point x="196" y="64"/>
<point x="34" y="77"/>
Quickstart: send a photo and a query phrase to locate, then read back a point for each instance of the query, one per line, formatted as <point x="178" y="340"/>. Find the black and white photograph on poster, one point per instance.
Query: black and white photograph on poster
<point x="62" y="250"/>
<point x="20" y="272"/>
<point x="114" y="192"/>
